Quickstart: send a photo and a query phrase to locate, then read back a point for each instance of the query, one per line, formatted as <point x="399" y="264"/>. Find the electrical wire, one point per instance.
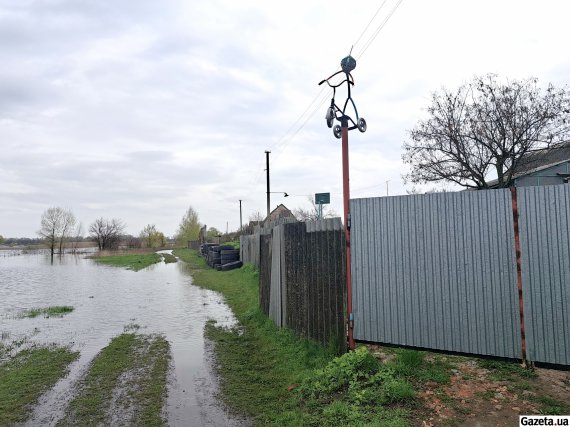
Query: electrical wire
<point x="369" y="22"/>
<point x="380" y="27"/>
<point x="285" y="139"/>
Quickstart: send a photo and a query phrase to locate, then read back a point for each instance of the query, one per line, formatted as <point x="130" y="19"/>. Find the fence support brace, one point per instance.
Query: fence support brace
<point x="519" y="272"/>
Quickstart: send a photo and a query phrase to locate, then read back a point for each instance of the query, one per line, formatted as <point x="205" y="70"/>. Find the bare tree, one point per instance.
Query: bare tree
<point x="68" y="221"/>
<point x="312" y="214"/>
<point x="51" y="225"/>
<point x="77" y="236"/>
<point x="485" y="126"/>
<point x="107" y="233"/>
<point x="256" y="217"/>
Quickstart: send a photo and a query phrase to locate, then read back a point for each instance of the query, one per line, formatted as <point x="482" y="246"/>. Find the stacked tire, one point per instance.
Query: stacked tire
<point x="221" y="257"/>
<point x="214" y="257"/>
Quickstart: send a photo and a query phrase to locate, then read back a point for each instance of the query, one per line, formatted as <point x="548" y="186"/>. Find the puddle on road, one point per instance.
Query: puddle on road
<point x="160" y="299"/>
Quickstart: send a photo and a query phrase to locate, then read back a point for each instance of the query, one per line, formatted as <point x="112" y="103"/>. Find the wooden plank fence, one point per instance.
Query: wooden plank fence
<point x="303" y="280"/>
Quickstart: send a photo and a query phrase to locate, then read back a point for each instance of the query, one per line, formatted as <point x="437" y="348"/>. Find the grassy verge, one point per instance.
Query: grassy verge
<point x="56" y="311"/>
<point x="133" y="262"/>
<point x="126" y="381"/>
<point x="278" y="379"/>
<point x="169" y="258"/>
<point x="25" y="376"/>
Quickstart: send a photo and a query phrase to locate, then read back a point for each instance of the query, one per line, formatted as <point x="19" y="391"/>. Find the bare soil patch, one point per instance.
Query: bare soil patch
<point x="483" y="392"/>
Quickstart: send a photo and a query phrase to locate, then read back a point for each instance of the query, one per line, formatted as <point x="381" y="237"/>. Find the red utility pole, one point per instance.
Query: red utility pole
<point x="334" y="112"/>
<point x="346" y="201"/>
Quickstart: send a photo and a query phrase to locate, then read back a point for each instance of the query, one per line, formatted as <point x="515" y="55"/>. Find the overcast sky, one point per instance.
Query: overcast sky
<point x="137" y="109"/>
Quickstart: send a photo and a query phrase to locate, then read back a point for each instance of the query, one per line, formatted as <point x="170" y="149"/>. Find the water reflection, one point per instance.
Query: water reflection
<point x="160" y="299"/>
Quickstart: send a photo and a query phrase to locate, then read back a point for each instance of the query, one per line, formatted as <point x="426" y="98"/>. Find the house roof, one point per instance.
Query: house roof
<point x="280" y="211"/>
<point x="540" y="159"/>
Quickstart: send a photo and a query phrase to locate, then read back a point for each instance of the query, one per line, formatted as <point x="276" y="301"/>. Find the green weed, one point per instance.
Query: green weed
<point x="413" y="364"/>
<point x="549" y="406"/>
<point x="169" y="258"/>
<point x="137" y="364"/>
<point x="25" y="376"/>
<point x="506" y="371"/>
<point x="56" y="311"/>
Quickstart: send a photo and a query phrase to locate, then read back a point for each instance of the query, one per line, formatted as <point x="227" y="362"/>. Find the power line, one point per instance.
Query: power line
<point x="380" y="27"/>
<point x="366" y="46"/>
<point x="370" y="22"/>
<point x="285" y="139"/>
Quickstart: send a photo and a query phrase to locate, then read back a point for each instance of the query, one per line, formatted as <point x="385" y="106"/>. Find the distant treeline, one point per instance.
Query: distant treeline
<point x="125" y="240"/>
<point x="24" y="241"/>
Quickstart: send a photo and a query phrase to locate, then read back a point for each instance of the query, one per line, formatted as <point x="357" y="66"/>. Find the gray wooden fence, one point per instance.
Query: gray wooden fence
<point x="250" y="245"/>
<point x="440" y="271"/>
<point x="303" y="280"/>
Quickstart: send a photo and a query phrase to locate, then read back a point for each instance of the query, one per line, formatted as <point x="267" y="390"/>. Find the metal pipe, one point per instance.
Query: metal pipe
<point x="268" y="192"/>
<point x="240" y="218"/>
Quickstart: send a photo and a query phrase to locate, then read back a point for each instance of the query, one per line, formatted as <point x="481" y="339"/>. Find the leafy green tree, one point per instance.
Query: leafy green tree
<point x="151" y="237"/>
<point x="189" y="227"/>
<point x="213" y="232"/>
<point x="1" y="239"/>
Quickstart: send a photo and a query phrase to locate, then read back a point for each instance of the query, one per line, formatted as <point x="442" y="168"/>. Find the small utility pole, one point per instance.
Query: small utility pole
<point x="387" y="187"/>
<point x="335" y="113"/>
<point x="240" y="221"/>
<point x="267" y="173"/>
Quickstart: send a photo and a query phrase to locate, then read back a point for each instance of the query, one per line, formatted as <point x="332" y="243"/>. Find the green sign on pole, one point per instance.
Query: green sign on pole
<point x="322" y="198"/>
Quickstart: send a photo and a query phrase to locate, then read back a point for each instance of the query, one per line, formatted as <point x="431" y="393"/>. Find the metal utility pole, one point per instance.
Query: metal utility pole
<point x="387" y="187"/>
<point x="334" y="112"/>
<point x="268" y="193"/>
<point x="240" y="222"/>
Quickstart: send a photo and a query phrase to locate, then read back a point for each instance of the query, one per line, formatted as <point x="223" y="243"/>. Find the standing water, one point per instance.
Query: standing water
<point x="107" y="301"/>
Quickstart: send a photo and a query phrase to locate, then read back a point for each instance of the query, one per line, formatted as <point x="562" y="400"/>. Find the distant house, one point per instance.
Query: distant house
<point x="543" y="167"/>
<point x="279" y="212"/>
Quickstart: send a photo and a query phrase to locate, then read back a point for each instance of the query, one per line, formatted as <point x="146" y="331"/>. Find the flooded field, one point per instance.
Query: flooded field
<point x="108" y="301"/>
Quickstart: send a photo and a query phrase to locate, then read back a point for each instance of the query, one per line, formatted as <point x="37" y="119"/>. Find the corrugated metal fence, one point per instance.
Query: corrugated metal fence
<point x="303" y="279"/>
<point x="439" y="271"/>
<point x="544" y="224"/>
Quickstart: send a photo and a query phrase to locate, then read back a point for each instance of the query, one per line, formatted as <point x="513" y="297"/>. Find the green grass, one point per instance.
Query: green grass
<point x="506" y="371"/>
<point x="169" y="258"/>
<point x="131" y="262"/>
<point x="277" y="378"/>
<point x="128" y="377"/>
<point x="549" y="406"/>
<point x="25" y="376"/>
<point x="412" y="364"/>
<point x="55" y="311"/>
<point x="234" y="244"/>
